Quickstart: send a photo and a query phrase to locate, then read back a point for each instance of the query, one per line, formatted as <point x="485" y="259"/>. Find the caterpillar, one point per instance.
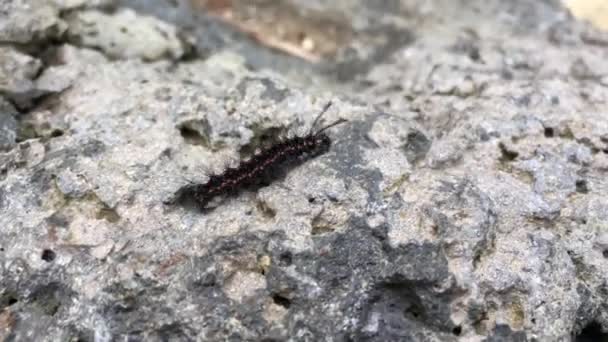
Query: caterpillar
<point x="265" y="165"/>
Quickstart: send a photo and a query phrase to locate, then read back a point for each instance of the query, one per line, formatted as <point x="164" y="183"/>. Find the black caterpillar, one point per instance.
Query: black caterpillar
<point x="263" y="166"/>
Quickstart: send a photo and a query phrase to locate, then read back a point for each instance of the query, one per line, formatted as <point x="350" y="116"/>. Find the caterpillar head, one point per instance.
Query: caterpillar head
<point x="319" y="140"/>
<point x="317" y="144"/>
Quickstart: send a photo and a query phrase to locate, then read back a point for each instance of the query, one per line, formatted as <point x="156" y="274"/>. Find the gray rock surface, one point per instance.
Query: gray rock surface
<point x="17" y="74"/>
<point x="8" y="125"/>
<point x="465" y="199"/>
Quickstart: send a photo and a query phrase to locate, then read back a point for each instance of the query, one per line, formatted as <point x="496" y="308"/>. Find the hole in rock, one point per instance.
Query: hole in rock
<point x="48" y="255"/>
<point x="592" y="333"/>
<point x="282" y="301"/>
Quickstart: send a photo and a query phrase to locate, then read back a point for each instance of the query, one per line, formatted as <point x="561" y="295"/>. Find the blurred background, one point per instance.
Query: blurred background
<point x="331" y="45"/>
<point x="595" y="11"/>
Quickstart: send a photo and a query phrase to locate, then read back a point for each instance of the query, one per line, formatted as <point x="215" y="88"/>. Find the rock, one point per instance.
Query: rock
<point x="72" y="4"/>
<point x="69" y="62"/>
<point x="17" y="73"/>
<point x="8" y="125"/>
<point x="125" y="35"/>
<point x="464" y="199"/>
<point x="25" y="21"/>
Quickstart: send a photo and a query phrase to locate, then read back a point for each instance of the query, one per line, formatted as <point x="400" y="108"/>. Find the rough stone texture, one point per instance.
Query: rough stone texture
<point x="465" y="200"/>
<point x="23" y="21"/>
<point x="150" y="39"/>
<point x="8" y="125"/>
<point x="17" y="73"/>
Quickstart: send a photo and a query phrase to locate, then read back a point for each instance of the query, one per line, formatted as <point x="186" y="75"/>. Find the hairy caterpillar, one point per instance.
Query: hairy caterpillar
<point x="263" y="166"/>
